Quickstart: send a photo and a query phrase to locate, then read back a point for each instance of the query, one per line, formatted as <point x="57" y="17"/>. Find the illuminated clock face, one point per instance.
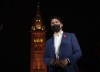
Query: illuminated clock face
<point x="38" y="26"/>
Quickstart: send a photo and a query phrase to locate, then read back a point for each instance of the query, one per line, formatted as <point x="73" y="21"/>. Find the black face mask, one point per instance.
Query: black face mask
<point x="55" y="28"/>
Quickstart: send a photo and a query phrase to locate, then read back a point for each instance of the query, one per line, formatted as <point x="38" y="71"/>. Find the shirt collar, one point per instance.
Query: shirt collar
<point x="59" y="33"/>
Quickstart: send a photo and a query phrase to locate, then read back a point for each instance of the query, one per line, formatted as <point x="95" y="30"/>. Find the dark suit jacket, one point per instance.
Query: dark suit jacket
<point x="69" y="48"/>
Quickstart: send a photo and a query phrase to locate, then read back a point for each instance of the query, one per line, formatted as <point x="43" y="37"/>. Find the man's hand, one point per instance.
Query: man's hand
<point x="62" y="63"/>
<point x="53" y="61"/>
<point x="59" y="62"/>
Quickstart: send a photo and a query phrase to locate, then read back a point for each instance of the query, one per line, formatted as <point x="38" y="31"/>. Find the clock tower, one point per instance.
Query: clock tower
<point x="37" y="44"/>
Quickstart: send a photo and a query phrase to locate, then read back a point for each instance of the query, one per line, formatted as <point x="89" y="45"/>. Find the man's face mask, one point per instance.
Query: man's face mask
<point x="55" y="28"/>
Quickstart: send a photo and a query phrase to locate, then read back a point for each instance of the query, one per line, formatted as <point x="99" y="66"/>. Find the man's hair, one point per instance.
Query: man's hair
<point x="55" y="17"/>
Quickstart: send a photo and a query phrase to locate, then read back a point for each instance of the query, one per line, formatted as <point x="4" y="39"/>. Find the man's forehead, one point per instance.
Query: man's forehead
<point x="53" y="20"/>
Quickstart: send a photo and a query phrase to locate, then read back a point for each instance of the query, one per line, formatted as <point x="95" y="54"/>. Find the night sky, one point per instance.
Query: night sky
<point x="80" y="17"/>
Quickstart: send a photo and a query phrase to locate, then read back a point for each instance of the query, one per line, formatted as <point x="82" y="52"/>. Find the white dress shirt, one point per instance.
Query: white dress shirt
<point x="57" y="42"/>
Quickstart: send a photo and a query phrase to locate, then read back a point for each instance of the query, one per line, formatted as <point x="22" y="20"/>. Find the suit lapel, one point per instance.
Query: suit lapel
<point x="52" y="44"/>
<point x="62" y="41"/>
<point x="63" y="38"/>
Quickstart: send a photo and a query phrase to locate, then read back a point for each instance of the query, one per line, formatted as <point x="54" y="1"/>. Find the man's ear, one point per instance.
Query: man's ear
<point x="61" y="25"/>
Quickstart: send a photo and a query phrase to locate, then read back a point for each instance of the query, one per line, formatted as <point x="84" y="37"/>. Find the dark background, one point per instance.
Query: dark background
<point x="79" y="17"/>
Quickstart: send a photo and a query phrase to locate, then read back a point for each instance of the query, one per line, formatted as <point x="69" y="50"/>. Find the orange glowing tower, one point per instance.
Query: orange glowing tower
<point x="37" y="44"/>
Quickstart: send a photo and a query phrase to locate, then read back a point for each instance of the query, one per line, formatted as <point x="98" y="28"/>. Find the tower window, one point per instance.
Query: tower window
<point x="39" y="20"/>
<point x="36" y="20"/>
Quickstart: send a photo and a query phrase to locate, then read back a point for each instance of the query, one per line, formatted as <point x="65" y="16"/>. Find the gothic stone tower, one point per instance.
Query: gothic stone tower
<point x="37" y="44"/>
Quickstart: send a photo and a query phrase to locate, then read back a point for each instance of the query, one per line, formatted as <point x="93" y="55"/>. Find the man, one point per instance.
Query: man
<point x="62" y="51"/>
